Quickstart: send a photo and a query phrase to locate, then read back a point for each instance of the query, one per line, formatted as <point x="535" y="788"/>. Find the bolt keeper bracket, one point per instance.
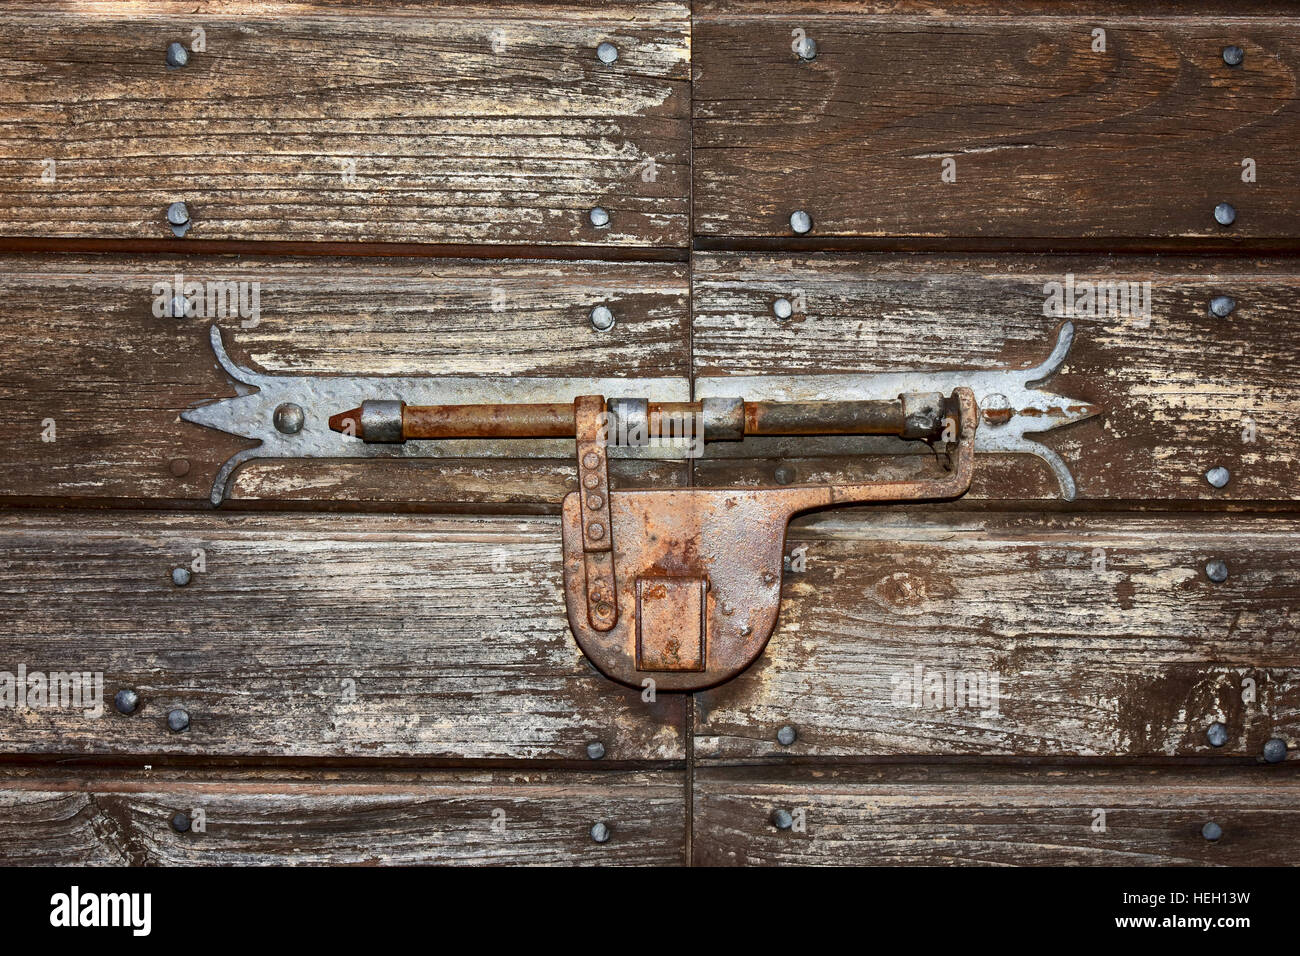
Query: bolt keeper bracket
<point x="683" y="586"/>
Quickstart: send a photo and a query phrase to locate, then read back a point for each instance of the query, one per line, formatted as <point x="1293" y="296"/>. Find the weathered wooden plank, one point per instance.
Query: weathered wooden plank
<point x="124" y="817"/>
<point x="915" y="632"/>
<point x="310" y="636"/>
<point x="983" y="816"/>
<point x="978" y="121"/>
<point x="1182" y="390"/>
<point x="466" y="123"/>
<point x="83" y="349"/>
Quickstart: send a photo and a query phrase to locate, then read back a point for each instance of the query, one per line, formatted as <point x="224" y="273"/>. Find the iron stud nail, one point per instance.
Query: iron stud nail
<point x="602" y="319"/>
<point x="288" y="418"/>
<point x="782" y="820"/>
<point x="1224" y="214"/>
<point x="1211" y="831"/>
<point x="1218" y="476"/>
<point x="800" y="221"/>
<point x="600" y="832"/>
<point x="178" y="720"/>
<point x="786" y="736"/>
<point x="126" y="701"/>
<point x="178" y="217"/>
<point x="1216" y="734"/>
<point x="806" y="48"/>
<point x="1221" y="306"/>
<point x="784" y="475"/>
<point x="782" y="309"/>
<point x="181" y="822"/>
<point x="595" y="750"/>
<point x="177" y="55"/>
<point x="1233" y="55"/>
<point x="598" y="216"/>
<point x="180" y="577"/>
<point x="1275" y="750"/>
<point x="607" y="53"/>
<point x="1216" y="571"/>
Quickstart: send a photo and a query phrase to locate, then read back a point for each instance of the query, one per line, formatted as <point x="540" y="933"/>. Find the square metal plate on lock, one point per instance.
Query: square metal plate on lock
<point x="670" y="623"/>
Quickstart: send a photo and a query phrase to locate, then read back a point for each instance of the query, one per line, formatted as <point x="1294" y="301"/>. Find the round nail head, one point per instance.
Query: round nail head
<point x="1233" y="55"/>
<point x="1275" y="750"/>
<point x="607" y="52"/>
<point x="1211" y="831"/>
<point x="1216" y="571"/>
<point x="1216" y="734"/>
<point x="599" y="217"/>
<point x="177" y="55"/>
<point x="782" y="820"/>
<point x="602" y="319"/>
<point x="782" y="309"/>
<point x="178" y="720"/>
<point x="1218" y="476"/>
<point x="595" y="750"/>
<point x="180" y="577"/>
<point x="784" y="475"/>
<point x="806" y="48"/>
<point x="288" y="418"/>
<point x="600" y="832"/>
<point x="181" y="822"/>
<point x="178" y="214"/>
<point x="1224" y="214"/>
<point x="126" y="701"/>
<point x="179" y="467"/>
<point x="800" y="221"/>
<point x="786" y="736"/>
<point x="1221" y="306"/>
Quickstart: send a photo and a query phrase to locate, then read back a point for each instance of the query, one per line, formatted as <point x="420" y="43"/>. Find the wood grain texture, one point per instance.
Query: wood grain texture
<point x="311" y="637"/>
<point x="497" y="818"/>
<point x="81" y="346"/>
<point x="1104" y="634"/>
<point x="466" y="123"/>
<point x="1178" y="387"/>
<point x="980" y="816"/>
<point x="1050" y="138"/>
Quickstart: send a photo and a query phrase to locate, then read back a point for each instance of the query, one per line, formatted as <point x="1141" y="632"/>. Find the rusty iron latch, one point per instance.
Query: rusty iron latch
<point x="681" y="586"/>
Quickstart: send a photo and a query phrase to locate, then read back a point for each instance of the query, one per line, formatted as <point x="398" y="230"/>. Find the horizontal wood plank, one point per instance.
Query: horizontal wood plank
<point x="1181" y="390"/>
<point x="978" y="121"/>
<point x="953" y="816"/>
<point x="468" y="123"/>
<point x="84" y="350"/>
<point x="124" y="817"/>
<point x="309" y="637"/>
<point x="933" y="632"/>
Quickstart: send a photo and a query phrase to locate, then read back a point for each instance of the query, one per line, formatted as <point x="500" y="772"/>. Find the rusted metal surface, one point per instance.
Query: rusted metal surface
<point x="731" y="538"/>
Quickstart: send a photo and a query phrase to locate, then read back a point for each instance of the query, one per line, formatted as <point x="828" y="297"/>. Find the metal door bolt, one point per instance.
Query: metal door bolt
<point x="1275" y="750"/>
<point x="1216" y="571"/>
<point x="602" y="319"/>
<point x="598" y="216"/>
<point x="782" y="309"/>
<point x="177" y="56"/>
<point x="1218" y="476"/>
<point x="181" y="822"/>
<point x="180" y="577"/>
<point x="1221" y="306"/>
<point x="800" y="221"/>
<point x="1224" y="214"/>
<point x="288" y="418"/>
<point x="607" y="53"/>
<point x="1233" y="55"/>
<point x="600" y="832"/>
<point x="1211" y="831"/>
<point x="178" y="217"/>
<point x="178" y="720"/>
<point x="781" y="819"/>
<point x="786" y="736"/>
<point x="1216" y="734"/>
<point x="806" y="48"/>
<point x="784" y="475"/>
<point x="595" y="750"/>
<point x="126" y="701"/>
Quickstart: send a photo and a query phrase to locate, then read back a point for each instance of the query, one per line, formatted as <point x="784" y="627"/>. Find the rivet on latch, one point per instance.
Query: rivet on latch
<point x="602" y="319"/>
<point x="1211" y="831"/>
<point x="126" y="701"/>
<point x="598" y="216"/>
<point x="782" y="820"/>
<point x="1221" y="306"/>
<point x="180" y="577"/>
<point x="600" y="832"/>
<point x="595" y="750"/>
<point x="607" y="53"/>
<point x="786" y="736"/>
<point x="181" y="822"/>
<point x="1218" y="476"/>
<point x="806" y="48"/>
<point x="1216" y="734"/>
<point x="1216" y="571"/>
<point x="784" y="475"/>
<point x="996" y="410"/>
<point x="1275" y="750"/>
<point x="800" y="221"/>
<point x="178" y="216"/>
<point x="1233" y="55"/>
<point x="288" y="418"/>
<point x="1224" y="214"/>
<point x="178" y="719"/>
<point x="177" y="56"/>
